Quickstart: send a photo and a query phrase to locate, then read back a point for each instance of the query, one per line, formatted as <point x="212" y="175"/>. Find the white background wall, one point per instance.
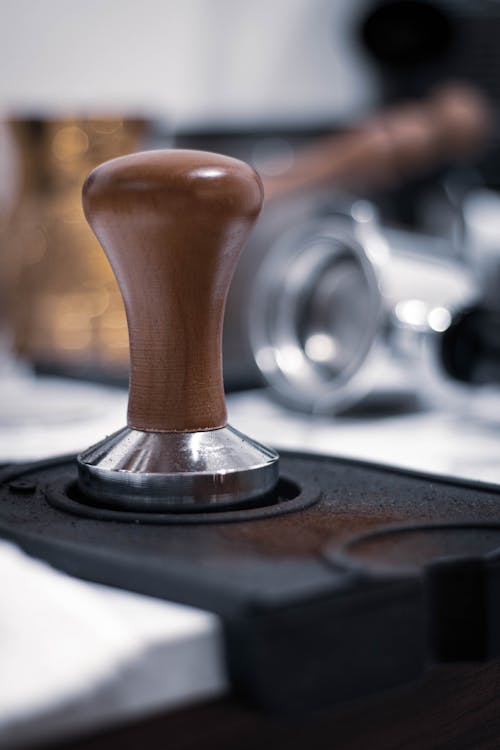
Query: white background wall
<point x="185" y="59"/>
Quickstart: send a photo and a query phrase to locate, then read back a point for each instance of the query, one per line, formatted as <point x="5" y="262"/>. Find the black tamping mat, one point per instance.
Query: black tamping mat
<point x="349" y="579"/>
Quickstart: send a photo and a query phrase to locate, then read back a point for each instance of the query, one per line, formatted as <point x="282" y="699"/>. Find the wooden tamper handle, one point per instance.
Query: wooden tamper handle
<point x="173" y="224"/>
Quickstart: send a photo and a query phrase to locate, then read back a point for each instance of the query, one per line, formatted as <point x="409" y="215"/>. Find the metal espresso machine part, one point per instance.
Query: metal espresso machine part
<point x="344" y="307"/>
<point x="333" y="305"/>
<point x="334" y="579"/>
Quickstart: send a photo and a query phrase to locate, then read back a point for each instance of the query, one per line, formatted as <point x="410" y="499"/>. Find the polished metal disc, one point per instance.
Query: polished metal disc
<point x="136" y="470"/>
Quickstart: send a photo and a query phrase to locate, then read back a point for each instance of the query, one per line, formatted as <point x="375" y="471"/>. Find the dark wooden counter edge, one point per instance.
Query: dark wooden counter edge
<point x="452" y="708"/>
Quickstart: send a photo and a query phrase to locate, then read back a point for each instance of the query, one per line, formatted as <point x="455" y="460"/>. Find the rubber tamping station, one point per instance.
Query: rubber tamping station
<point x="333" y="578"/>
<point x="173" y="224"/>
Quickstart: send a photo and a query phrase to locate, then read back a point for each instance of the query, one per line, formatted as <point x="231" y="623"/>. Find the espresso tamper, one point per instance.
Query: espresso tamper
<point x="172" y="224"/>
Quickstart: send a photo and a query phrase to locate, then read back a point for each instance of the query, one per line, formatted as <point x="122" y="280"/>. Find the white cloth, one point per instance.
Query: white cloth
<point x="62" y="639"/>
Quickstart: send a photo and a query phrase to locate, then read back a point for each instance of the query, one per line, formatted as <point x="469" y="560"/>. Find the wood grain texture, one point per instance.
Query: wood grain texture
<point x="173" y="224"/>
<point x="452" y="708"/>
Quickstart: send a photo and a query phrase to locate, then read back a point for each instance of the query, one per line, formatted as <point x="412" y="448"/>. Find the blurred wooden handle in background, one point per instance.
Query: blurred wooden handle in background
<point x="397" y="144"/>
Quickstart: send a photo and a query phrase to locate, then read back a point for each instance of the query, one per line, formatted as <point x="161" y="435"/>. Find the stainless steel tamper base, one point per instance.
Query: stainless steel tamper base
<point x="167" y="471"/>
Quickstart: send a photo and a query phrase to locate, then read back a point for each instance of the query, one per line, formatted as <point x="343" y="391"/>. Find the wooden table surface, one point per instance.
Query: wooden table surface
<point x="453" y="708"/>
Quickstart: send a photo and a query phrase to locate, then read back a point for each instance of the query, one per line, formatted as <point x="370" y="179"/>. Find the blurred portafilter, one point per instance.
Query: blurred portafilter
<point x="342" y="306"/>
<point x="65" y="308"/>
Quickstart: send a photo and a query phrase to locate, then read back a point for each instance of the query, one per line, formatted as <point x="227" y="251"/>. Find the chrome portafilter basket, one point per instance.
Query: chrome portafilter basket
<point x="343" y="308"/>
